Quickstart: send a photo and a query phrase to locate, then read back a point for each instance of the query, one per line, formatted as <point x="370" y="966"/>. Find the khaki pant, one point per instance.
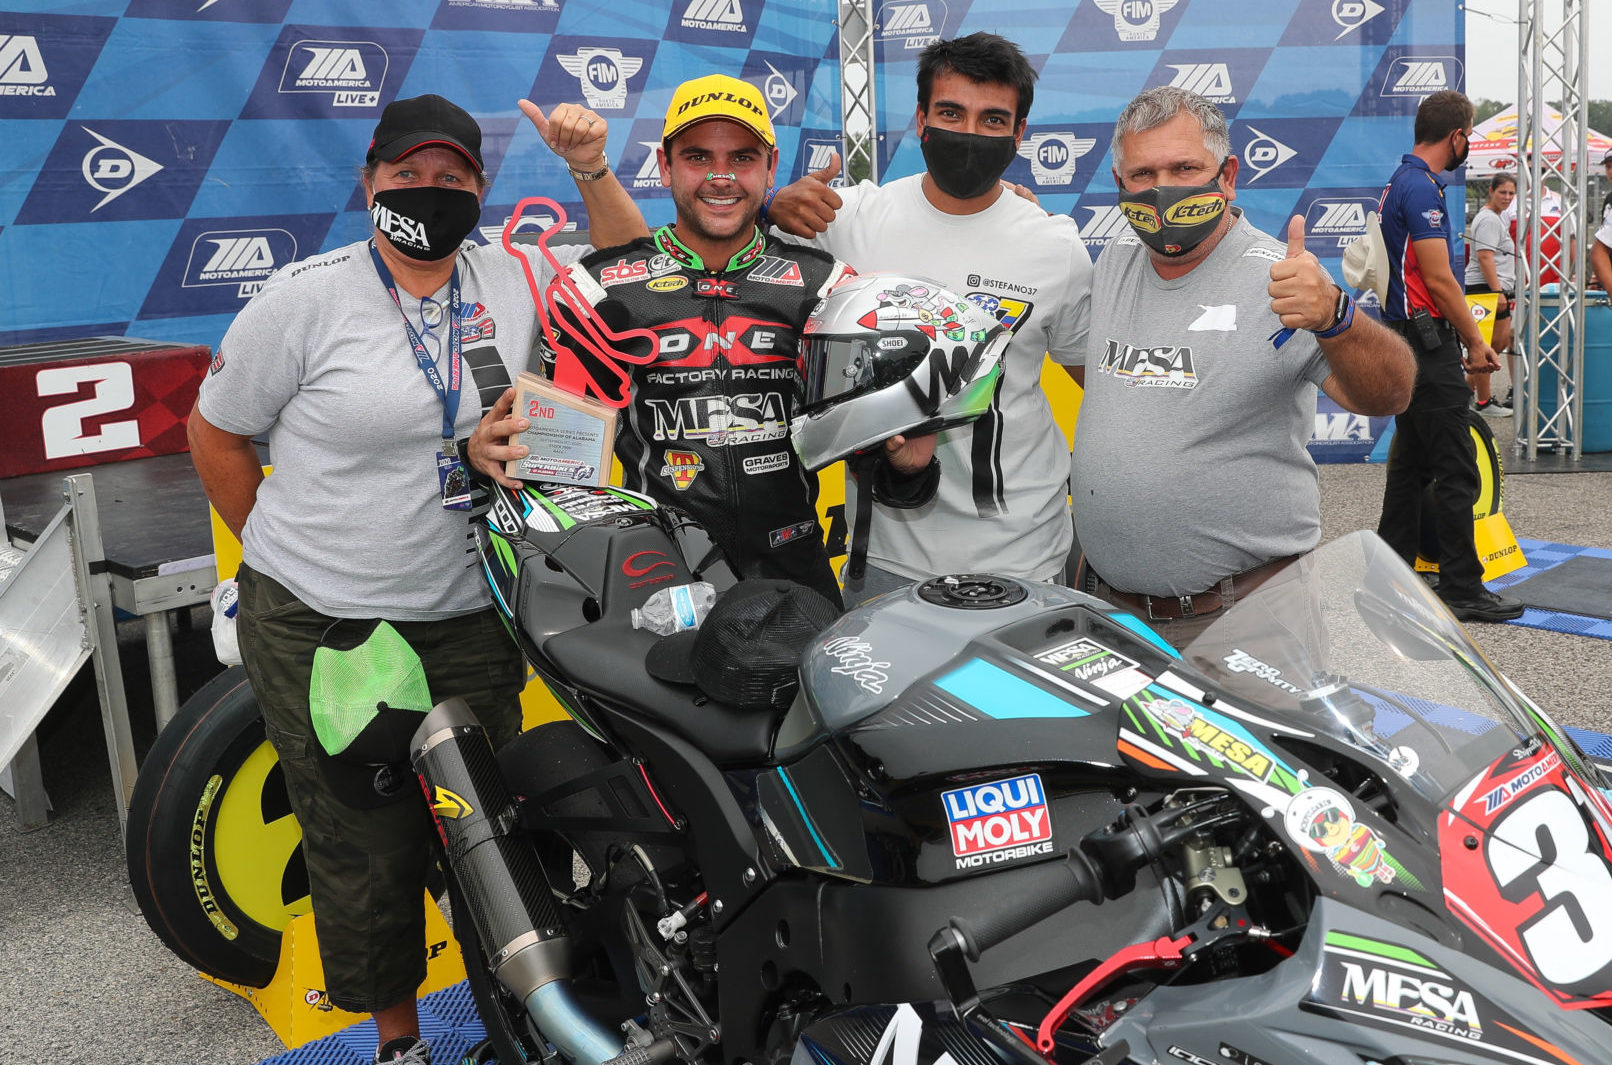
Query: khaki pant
<point x="367" y="869"/>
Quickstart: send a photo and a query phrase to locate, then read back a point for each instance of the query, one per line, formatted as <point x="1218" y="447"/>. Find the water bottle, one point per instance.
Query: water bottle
<point x="674" y="609"/>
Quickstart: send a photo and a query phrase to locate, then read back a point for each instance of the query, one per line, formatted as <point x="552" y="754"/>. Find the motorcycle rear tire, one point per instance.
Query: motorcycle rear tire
<point x="211" y="767"/>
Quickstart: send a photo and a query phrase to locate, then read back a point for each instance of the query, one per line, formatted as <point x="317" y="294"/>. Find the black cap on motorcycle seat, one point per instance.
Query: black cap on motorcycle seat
<point x="747" y="653"/>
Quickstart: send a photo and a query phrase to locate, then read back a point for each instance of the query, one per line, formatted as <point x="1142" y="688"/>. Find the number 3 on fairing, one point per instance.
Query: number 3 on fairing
<point x="1570" y="939"/>
<point x="63" y="427"/>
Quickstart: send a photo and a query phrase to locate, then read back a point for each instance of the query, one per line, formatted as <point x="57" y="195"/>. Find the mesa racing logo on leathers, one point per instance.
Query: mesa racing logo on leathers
<point x="721" y="421"/>
<point x="1163" y="366"/>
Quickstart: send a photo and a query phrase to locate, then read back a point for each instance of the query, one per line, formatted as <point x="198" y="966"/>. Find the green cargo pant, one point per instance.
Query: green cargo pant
<point x="367" y="869"/>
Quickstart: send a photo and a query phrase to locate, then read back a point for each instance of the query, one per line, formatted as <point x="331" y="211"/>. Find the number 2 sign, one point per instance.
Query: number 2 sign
<point x="68" y="412"/>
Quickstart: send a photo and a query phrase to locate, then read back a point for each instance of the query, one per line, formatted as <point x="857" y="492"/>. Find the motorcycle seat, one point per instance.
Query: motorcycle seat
<point x="606" y="660"/>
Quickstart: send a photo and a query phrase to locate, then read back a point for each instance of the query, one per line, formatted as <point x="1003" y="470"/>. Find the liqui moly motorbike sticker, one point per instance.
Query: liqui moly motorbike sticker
<point x="1391" y="987"/>
<point x="1322" y="820"/>
<point x="1002" y="821"/>
<point x="1527" y="864"/>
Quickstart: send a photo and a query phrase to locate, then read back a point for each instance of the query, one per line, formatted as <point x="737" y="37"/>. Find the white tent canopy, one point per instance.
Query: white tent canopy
<point x="1494" y="143"/>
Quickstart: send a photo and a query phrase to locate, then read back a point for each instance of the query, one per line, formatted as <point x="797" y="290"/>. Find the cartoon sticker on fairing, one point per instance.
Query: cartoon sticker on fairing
<point x="1001" y="821"/>
<point x="1214" y="737"/>
<point x="1322" y="820"/>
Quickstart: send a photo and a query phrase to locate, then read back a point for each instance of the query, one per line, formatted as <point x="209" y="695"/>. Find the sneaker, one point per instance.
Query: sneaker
<point x="404" y="1050"/>
<point x="1493" y="409"/>
<point x="1485" y="606"/>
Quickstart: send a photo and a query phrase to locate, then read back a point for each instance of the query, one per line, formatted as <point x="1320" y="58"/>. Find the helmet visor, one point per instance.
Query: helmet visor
<point x="836" y="367"/>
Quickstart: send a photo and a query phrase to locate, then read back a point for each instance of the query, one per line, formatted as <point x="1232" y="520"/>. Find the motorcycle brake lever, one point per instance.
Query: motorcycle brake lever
<point x="1162" y="953"/>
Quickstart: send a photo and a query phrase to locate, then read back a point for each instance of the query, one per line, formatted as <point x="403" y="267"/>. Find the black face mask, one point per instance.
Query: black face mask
<point x="427" y="222"/>
<point x="965" y="165"/>
<point x="1459" y="161"/>
<point x="1174" y="219"/>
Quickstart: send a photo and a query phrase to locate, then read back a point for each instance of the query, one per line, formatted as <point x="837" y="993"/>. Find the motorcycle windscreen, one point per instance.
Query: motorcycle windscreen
<point x="1348" y="644"/>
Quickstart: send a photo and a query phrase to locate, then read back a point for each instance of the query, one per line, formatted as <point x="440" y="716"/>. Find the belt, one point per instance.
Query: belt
<point x="1179" y="607"/>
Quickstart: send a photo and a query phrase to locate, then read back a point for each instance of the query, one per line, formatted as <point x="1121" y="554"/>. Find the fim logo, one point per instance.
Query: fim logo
<point x="1212" y="81"/>
<point x="721" y="15"/>
<point x="998" y="822"/>
<point x="820" y="154"/>
<point x="1052" y="155"/>
<point x="1421" y="75"/>
<point x="603" y="73"/>
<point x="1265" y="153"/>
<point x="1350" y="15"/>
<point x="529" y="223"/>
<point x="352" y="72"/>
<point x="1342" y="221"/>
<point x="112" y="169"/>
<point x="22" y="68"/>
<point x="242" y="257"/>
<point x="1135" y="20"/>
<point x="682" y="467"/>
<point x="911" y="22"/>
<point x="1105" y="224"/>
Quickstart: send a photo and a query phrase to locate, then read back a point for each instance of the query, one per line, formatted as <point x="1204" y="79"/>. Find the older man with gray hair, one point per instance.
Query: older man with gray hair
<point x="1191" y="482"/>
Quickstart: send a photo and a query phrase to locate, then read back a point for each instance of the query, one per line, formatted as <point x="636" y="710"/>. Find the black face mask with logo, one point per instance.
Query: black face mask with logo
<point x="1174" y="219"/>
<point x="427" y="222"/>
<point x="965" y="165"/>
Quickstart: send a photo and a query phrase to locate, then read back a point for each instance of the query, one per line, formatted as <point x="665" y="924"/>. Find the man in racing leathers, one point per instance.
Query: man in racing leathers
<point x="707" y="425"/>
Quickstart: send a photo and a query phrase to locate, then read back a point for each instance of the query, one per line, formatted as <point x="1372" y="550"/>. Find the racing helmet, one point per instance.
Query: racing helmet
<point x="884" y="354"/>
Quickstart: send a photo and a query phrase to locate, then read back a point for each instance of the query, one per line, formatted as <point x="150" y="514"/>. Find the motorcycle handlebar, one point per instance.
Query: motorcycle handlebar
<point x="1039" y="894"/>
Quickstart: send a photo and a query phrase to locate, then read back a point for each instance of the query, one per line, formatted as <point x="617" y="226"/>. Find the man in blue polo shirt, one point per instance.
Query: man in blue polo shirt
<point x="1425" y="304"/>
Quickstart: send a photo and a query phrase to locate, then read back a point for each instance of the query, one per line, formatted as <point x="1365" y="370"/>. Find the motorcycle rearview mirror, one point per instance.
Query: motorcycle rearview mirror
<point x="1402" y="634"/>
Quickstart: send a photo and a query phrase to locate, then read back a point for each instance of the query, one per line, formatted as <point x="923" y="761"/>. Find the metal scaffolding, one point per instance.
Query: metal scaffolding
<point x="859" y="117"/>
<point x="1552" y="73"/>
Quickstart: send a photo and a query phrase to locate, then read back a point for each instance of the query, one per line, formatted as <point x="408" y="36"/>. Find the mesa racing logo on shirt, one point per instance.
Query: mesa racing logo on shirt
<point x="682" y="467"/>
<point x="1164" y="366"/>
<point x="998" y="822"/>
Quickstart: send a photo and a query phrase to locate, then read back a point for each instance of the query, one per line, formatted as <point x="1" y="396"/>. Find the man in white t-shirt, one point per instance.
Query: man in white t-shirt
<point x="1002" y="503"/>
<point x="1492" y="267"/>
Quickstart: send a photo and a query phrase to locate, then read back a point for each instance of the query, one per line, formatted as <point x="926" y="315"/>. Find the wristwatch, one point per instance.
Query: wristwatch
<point x="591" y="175"/>
<point x="1343" y="316"/>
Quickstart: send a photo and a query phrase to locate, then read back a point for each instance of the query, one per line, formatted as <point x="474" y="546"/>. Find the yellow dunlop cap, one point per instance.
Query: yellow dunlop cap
<point x="719" y="96"/>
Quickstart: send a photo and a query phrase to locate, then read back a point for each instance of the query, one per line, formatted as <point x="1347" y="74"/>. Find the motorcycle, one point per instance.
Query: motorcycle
<point x="1004" y="822"/>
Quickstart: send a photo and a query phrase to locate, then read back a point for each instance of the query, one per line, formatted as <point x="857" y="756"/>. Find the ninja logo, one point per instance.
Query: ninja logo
<point x="1165" y="366"/>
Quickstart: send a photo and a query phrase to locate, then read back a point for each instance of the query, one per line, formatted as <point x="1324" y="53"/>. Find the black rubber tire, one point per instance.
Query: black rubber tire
<point x="178" y="797"/>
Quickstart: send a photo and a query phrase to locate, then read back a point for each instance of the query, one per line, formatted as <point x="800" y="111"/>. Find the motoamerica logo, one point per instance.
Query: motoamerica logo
<point x="723" y="15"/>
<point x="912" y="22"/>
<point x="1164" y="366"/>
<point x="351" y="71"/>
<point x="22" y="67"/>
<point x="244" y="258"/>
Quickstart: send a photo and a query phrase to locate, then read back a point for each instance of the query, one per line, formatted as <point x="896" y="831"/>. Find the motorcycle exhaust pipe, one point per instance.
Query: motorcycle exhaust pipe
<point x="506" y="891"/>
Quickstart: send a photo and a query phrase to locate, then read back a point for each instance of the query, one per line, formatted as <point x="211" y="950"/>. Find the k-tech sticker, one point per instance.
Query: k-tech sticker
<point x="999" y="822"/>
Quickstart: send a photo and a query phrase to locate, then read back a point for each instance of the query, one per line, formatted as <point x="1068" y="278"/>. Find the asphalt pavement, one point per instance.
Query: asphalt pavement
<point x="84" y="980"/>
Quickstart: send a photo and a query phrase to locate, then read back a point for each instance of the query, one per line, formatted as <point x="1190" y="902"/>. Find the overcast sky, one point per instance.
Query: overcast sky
<point x="1492" y="48"/>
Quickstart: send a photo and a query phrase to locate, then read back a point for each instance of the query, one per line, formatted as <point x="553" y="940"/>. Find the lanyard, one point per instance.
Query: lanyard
<point x="449" y="392"/>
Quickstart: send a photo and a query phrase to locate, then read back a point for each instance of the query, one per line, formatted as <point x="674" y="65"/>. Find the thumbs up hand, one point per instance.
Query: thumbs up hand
<point x="1302" y="293"/>
<point x="804" y="208"/>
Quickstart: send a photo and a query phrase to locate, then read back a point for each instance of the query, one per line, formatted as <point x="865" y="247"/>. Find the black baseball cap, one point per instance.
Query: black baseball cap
<point x="747" y="652"/>
<point x="1607" y="158"/>
<point x="421" y="122"/>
